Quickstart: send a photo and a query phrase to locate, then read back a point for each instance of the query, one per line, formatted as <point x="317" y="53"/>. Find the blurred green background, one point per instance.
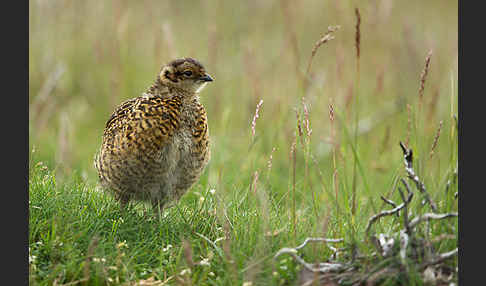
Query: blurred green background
<point x="86" y="57"/>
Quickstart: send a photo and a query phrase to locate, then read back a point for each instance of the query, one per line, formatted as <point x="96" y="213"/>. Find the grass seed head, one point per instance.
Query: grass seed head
<point x="423" y="76"/>
<point x="253" y="122"/>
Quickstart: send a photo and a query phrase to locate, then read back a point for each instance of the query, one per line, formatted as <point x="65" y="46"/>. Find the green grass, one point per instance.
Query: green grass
<point x="111" y="51"/>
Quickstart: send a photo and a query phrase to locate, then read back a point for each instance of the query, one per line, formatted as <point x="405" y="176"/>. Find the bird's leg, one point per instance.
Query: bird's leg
<point x="123" y="199"/>
<point x="157" y="208"/>
<point x="123" y="204"/>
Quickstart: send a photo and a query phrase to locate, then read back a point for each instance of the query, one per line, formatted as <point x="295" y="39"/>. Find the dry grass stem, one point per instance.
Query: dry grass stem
<point x="188" y="253"/>
<point x="291" y="34"/>
<point x="89" y="256"/>
<point x="254" y="182"/>
<point x="433" y="105"/>
<point x="293" y="155"/>
<point x="333" y="142"/>
<point x="409" y="124"/>
<point x="63" y="153"/>
<point x="299" y="127"/>
<point x="270" y="163"/>
<point x="324" y="39"/>
<point x="436" y="139"/>
<point x="169" y="39"/>
<point x="374" y="218"/>
<point x="423" y="76"/>
<point x="451" y="181"/>
<point x="358" y="33"/>
<point x="42" y="106"/>
<point x="306" y="118"/>
<point x="253" y="122"/>
<point x="270" y="159"/>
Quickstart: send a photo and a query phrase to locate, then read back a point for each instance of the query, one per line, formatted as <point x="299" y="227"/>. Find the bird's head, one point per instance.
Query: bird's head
<point x="187" y="74"/>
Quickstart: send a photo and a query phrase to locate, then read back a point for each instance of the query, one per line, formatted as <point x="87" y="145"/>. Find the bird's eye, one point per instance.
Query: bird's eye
<point x="188" y="73"/>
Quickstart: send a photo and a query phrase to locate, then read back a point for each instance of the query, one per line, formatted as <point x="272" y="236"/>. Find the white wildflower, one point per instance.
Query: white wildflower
<point x="219" y="238"/>
<point x="185" y="271"/>
<point x="205" y="262"/>
<point x="122" y="244"/>
<point x="96" y="259"/>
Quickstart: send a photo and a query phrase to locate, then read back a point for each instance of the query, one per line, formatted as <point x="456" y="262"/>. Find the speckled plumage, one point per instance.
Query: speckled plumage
<point x="156" y="146"/>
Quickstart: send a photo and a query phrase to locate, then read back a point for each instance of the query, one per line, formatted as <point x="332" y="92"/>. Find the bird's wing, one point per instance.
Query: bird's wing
<point x="118" y="116"/>
<point x="144" y="124"/>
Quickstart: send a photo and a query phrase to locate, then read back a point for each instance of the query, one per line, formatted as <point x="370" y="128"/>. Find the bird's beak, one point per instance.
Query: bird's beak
<point x="206" y="78"/>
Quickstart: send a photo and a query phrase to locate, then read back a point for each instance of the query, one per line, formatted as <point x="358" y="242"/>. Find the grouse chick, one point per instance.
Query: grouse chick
<point x="156" y="146"/>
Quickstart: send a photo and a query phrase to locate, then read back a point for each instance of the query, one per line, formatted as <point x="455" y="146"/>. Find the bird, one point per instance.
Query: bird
<point x="156" y="146"/>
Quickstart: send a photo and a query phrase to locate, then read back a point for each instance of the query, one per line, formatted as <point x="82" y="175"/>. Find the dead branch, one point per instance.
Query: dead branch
<point x="384" y="244"/>
<point x="408" y="157"/>
<point x="429" y="216"/>
<point x="318" y="239"/>
<point x="390" y="202"/>
<point x="320" y="267"/>
<point x="294" y="250"/>
<point x="389" y="212"/>
<point x="440" y="258"/>
<point x="404" y="239"/>
<point x="405" y="212"/>
<point x="441" y="237"/>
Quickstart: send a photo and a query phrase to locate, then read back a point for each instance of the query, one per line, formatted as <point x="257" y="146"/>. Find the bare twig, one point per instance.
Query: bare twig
<point x="384" y="244"/>
<point x="389" y="212"/>
<point x="405" y="211"/>
<point x="320" y="267"/>
<point x="440" y="258"/>
<point x="408" y="157"/>
<point x="404" y="239"/>
<point x="442" y="237"/>
<point x="429" y="216"/>
<point x="390" y="202"/>
<point x="318" y="239"/>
